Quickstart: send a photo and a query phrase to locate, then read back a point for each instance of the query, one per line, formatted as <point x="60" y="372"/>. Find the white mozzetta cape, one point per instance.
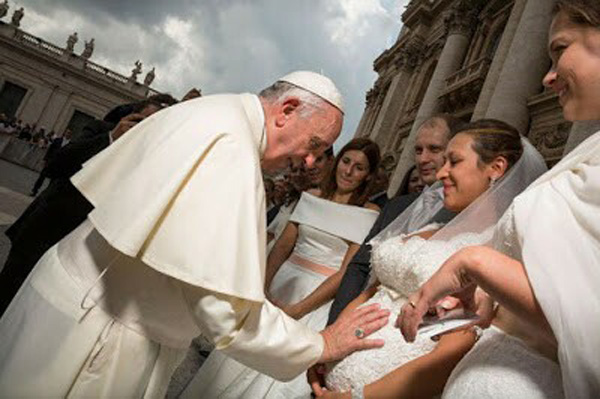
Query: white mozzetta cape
<point x="183" y="192"/>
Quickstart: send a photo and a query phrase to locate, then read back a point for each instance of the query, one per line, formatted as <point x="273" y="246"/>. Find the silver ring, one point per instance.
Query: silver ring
<point x="359" y="333"/>
<point x="412" y="304"/>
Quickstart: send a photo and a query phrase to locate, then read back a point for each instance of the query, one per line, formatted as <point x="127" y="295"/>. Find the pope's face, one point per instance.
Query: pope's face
<point x="295" y="139"/>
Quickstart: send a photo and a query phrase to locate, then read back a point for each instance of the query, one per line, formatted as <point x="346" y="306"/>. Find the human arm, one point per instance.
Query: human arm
<point x="262" y="337"/>
<point x="502" y="277"/>
<point x="280" y="252"/>
<point x="325" y="291"/>
<point x="423" y="377"/>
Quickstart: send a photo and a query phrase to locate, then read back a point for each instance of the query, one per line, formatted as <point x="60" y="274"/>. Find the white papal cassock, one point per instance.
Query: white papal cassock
<point x="175" y="247"/>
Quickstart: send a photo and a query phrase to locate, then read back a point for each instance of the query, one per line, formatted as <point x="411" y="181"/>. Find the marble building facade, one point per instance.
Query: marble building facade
<point x="474" y="59"/>
<point x="52" y="87"/>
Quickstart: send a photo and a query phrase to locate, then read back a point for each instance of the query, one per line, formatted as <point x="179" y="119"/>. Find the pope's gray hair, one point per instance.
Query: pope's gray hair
<point x="279" y="91"/>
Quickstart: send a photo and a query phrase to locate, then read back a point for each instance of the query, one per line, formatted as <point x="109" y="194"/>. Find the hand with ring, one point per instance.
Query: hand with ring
<point x="450" y="279"/>
<point x="348" y="334"/>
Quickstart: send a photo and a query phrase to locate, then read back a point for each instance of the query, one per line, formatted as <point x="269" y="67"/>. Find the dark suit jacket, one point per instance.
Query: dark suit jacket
<point x="58" y="210"/>
<point x="60" y="207"/>
<point x="358" y="270"/>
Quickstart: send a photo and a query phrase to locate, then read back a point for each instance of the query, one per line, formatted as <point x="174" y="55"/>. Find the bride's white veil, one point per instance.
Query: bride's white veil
<point x="482" y="214"/>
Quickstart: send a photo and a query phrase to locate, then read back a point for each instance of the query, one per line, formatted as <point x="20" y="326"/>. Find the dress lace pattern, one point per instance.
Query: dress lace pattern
<point x="501" y="367"/>
<point x="401" y="266"/>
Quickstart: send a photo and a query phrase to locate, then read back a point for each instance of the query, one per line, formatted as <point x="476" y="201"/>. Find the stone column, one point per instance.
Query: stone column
<point x="397" y="93"/>
<point x="459" y="28"/>
<point x="501" y="53"/>
<point x="579" y="132"/>
<point x="369" y="104"/>
<point x="375" y="112"/>
<point x="525" y="65"/>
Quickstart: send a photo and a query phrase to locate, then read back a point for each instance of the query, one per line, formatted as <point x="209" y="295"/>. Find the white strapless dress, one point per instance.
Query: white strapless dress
<point x="401" y="267"/>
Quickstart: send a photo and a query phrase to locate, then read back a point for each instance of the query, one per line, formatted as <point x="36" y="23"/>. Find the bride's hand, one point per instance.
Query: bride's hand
<point x="450" y="279"/>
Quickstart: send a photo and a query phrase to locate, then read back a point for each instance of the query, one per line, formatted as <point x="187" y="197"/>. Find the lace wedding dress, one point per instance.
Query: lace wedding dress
<point x="500" y="365"/>
<point x="401" y="267"/>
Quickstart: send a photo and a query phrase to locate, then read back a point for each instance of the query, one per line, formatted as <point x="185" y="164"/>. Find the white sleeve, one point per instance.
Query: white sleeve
<point x="259" y="335"/>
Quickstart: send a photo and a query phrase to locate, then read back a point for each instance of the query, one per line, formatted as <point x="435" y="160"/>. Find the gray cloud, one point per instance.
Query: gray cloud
<point x="229" y="45"/>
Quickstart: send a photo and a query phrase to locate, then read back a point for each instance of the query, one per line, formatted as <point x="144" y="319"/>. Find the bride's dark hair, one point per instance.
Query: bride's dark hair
<point x="493" y="138"/>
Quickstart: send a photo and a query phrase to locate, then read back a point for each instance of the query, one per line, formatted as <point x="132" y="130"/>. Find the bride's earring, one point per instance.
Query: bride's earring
<point x="492" y="182"/>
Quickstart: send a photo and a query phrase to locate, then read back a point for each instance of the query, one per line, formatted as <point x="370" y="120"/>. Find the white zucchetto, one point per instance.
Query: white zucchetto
<point x="317" y="84"/>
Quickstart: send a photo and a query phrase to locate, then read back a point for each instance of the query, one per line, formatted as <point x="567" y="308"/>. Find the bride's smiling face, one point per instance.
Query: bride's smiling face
<point x="464" y="176"/>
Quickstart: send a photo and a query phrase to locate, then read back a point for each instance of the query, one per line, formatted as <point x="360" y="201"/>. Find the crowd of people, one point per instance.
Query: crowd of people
<point x="314" y="268"/>
<point x="32" y="134"/>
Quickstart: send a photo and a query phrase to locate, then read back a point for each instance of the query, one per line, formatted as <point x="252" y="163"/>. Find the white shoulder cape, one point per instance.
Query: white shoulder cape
<point x="183" y="192"/>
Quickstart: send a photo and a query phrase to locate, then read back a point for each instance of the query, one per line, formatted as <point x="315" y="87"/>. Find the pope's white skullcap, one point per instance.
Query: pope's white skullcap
<point x="317" y="84"/>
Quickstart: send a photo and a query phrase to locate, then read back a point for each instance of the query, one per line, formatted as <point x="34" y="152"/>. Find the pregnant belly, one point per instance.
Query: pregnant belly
<point x="364" y="367"/>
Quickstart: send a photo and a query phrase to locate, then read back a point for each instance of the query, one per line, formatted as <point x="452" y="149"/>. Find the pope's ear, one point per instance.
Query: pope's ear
<point x="290" y="105"/>
<point x="286" y="110"/>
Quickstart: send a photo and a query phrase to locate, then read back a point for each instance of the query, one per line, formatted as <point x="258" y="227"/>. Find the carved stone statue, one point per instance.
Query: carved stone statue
<point x="88" y="50"/>
<point x="71" y="42"/>
<point x="149" y="77"/>
<point x="4" y="9"/>
<point x="136" y="71"/>
<point x="17" y="17"/>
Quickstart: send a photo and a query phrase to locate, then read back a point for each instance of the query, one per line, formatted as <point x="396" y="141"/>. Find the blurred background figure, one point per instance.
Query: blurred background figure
<point x="191" y="94"/>
<point x="411" y="183"/>
<point x="61" y="207"/>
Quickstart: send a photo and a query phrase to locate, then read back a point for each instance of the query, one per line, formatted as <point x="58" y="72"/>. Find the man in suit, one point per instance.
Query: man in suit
<point x="60" y="208"/>
<point x="432" y="138"/>
<point x="55" y="145"/>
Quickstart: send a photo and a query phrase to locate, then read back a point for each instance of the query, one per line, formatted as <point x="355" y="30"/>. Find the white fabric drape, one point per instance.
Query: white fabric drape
<point x="557" y="221"/>
<point x="146" y="207"/>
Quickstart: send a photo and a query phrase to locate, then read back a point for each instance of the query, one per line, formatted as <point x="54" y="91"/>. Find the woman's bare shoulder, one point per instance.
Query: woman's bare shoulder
<point x="372" y="206"/>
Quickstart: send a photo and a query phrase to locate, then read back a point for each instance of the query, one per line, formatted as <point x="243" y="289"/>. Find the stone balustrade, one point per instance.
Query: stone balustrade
<point x="73" y="60"/>
<point x="21" y="152"/>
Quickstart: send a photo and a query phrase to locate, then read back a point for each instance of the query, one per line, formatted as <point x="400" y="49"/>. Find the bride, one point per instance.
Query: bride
<point x="545" y="266"/>
<point x="304" y="269"/>
<point x="487" y="164"/>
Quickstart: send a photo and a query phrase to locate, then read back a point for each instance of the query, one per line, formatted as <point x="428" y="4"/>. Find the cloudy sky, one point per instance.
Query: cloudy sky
<point x="228" y="45"/>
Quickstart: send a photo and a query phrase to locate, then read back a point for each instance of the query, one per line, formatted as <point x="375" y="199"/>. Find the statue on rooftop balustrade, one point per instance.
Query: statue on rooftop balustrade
<point x="150" y="77"/>
<point x="4" y="9"/>
<point x="88" y="50"/>
<point x="71" y="41"/>
<point x="17" y="17"/>
<point x="136" y="71"/>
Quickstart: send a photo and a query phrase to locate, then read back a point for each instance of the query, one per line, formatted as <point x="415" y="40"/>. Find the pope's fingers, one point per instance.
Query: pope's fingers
<point x="363" y="311"/>
<point x="374" y="316"/>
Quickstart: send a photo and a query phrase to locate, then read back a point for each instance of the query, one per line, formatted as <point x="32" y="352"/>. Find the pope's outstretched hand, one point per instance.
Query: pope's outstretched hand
<point x="348" y="334"/>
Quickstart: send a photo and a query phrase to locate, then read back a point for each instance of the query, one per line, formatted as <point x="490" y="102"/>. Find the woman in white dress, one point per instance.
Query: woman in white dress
<point x="304" y="269"/>
<point x="545" y="266"/>
<point x="487" y="164"/>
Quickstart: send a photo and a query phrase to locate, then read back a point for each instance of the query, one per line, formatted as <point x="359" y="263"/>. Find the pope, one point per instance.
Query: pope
<point x="175" y="247"/>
